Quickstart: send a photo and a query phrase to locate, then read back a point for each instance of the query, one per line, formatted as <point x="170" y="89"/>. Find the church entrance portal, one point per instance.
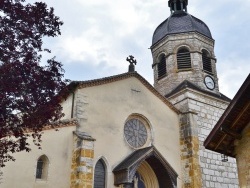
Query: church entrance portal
<point x="145" y="177"/>
<point x="145" y="168"/>
<point x="139" y="181"/>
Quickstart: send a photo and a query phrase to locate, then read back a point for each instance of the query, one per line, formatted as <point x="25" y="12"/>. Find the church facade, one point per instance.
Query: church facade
<point x="120" y="131"/>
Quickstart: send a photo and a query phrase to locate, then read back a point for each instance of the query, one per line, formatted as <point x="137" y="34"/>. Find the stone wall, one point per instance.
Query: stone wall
<point x="102" y="111"/>
<point x="169" y="46"/>
<point x="189" y="143"/>
<point x="204" y="111"/>
<point x="82" y="162"/>
<point x="243" y="158"/>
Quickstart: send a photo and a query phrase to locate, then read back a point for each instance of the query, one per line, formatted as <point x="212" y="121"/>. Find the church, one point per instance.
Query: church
<point x="120" y="131"/>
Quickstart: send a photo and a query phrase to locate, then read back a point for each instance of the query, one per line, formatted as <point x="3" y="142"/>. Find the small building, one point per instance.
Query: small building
<point x="231" y="135"/>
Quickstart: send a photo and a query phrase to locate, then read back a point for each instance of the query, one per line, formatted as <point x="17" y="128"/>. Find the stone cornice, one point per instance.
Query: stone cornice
<point x="196" y="92"/>
<point x="167" y="38"/>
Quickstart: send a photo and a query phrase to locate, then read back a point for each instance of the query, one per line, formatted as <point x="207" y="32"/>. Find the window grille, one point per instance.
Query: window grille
<point x="206" y="60"/>
<point x="100" y="175"/>
<point x="39" y="169"/>
<point x="183" y="59"/>
<point x="42" y="167"/>
<point x="162" y="67"/>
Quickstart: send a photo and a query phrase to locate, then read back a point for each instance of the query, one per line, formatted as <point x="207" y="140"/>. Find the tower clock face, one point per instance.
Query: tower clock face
<point x="135" y="133"/>
<point x="209" y="82"/>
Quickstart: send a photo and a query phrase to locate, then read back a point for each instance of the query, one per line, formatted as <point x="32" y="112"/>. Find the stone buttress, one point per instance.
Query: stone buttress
<point x="82" y="161"/>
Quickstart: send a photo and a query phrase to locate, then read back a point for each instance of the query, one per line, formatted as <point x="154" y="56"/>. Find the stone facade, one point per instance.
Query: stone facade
<point x="200" y="114"/>
<point x="189" y="142"/>
<point x="82" y="162"/>
<point x="201" y="108"/>
<point x="102" y="111"/>
<point x="169" y="46"/>
<point x="243" y="158"/>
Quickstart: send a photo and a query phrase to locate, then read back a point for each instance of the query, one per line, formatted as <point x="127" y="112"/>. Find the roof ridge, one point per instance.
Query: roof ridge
<point x="110" y="79"/>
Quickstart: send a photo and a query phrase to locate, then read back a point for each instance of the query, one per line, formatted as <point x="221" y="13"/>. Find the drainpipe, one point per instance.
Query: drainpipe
<point x="72" y="106"/>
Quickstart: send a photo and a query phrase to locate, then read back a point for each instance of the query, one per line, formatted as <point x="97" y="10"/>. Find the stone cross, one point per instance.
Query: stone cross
<point x="132" y="61"/>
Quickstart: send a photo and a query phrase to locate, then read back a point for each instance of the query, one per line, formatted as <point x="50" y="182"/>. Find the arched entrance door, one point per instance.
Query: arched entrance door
<point x="139" y="181"/>
<point x="145" y="177"/>
<point x="145" y="168"/>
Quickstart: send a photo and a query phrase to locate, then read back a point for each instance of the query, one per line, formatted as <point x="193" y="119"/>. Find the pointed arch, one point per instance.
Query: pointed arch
<point x="183" y="59"/>
<point x="125" y="172"/>
<point x="42" y="167"/>
<point x="147" y="175"/>
<point x="206" y="61"/>
<point x="100" y="174"/>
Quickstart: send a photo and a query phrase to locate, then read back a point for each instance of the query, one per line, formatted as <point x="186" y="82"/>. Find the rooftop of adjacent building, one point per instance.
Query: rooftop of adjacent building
<point x="232" y="123"/>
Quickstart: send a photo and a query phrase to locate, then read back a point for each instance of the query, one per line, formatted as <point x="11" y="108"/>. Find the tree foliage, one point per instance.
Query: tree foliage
<point x="28" y="91"/>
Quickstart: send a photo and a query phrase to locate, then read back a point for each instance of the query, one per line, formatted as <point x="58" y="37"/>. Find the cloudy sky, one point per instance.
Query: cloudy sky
<point x="98" y="35"/>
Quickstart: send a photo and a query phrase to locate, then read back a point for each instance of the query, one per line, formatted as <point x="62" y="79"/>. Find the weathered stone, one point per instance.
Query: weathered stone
<point x="243" y="158"/>
<point x="209" y="162"/>
<point x="82" y="164"/>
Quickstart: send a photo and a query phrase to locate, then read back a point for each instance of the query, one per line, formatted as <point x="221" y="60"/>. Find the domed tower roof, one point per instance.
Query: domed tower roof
<point x="180" y="22"/>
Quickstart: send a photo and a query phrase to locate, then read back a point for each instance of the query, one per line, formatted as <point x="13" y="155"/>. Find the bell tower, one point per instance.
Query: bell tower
<point x="184" y="66"/>
<point x="183" y="49"/>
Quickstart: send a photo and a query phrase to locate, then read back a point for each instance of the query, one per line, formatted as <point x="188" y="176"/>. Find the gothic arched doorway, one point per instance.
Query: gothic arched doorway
<point x="145" y="168"/>
<point x="145" y="177"/>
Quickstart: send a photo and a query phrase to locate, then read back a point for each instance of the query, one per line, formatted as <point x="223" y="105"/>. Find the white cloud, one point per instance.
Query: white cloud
<point x="232" y="74"/>
<point x="101" y="34"/>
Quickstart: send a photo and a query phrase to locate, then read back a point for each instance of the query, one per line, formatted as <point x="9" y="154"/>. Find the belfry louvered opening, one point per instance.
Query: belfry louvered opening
<point x="206" y="60"/>
<point x="183" y="59"/>
<point x="162" y="66"/>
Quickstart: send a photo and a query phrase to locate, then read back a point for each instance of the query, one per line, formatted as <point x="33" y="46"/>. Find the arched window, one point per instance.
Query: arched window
<point x="162" y="66"/>
<point x="100" y="174"/>
<point x="42" y="167"/>
<point x="206" y="60"/>
<point x="183" y="59"/>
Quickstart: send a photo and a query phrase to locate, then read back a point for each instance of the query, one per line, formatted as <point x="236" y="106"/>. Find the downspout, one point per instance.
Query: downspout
<point x="72" y="106"/>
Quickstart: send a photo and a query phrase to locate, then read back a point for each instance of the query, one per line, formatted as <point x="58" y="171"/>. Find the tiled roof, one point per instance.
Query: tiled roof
<point x="57" y="125"/>
<point x="186" y="84"/>
<point x="111" y="79"/>
<point x="124" y="172"/>
<point x="61" y="124"/>
<point x="180" y="22"/>
<point x="133" y="158"/>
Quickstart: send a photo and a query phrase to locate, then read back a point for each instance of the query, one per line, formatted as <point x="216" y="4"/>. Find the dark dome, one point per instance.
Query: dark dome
<point x="180" y="22"/>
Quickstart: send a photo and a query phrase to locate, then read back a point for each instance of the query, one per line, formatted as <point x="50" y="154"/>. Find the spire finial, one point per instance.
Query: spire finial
<point x="178" y="5"/>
